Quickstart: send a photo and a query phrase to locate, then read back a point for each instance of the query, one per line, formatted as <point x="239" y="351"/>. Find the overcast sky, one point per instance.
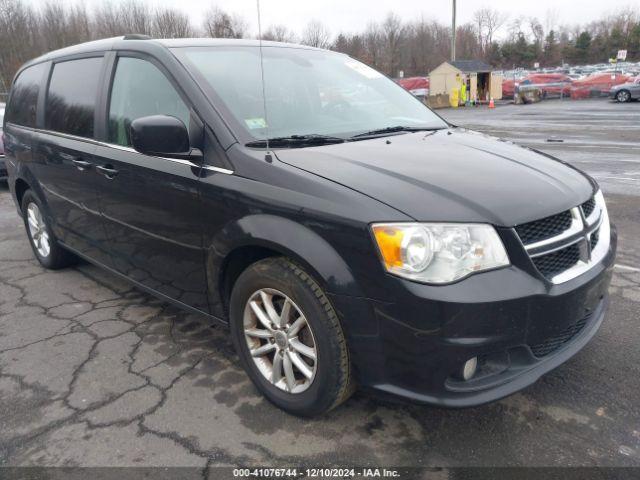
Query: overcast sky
<point x="353" y="15"/>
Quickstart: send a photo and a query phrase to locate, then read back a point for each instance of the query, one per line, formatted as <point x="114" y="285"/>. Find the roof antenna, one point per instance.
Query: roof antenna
<point x="267" y="155"/>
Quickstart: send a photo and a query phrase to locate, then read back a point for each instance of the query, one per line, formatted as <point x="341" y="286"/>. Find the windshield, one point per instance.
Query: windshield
<point x="308" y="92"/>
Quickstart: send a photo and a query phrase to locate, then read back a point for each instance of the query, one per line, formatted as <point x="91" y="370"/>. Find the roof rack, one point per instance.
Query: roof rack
<point x="136" y="36"/>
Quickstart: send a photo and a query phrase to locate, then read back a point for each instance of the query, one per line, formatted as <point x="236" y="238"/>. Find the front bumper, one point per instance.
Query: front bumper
<point x="421" y="338"/>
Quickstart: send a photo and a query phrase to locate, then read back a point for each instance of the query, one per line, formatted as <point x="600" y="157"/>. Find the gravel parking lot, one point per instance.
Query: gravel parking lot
<point x="96" y="373"/>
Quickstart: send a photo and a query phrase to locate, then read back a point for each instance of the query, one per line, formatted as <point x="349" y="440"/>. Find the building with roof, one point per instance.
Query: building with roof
<point x="482" y="82"/>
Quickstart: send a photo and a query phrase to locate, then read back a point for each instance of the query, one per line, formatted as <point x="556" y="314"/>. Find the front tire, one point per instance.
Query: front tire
<point x="289" y="338"/>
<point x="43" y="242"/>
<point x="623" y="96"/>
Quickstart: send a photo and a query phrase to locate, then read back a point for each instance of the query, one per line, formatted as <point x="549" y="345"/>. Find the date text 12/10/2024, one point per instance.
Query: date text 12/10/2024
<point x="368" y="472"/>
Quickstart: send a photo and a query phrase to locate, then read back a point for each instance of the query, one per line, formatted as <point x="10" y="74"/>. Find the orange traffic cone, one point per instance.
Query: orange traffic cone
<point x="492" y="103"/>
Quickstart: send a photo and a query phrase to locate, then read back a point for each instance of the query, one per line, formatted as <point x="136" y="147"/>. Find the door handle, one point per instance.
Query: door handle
<point x="81" y="164"/>
<point x="107" y="170"/>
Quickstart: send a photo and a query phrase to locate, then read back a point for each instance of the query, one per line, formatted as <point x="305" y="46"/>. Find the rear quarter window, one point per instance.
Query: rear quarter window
<point x="71" y="98"/>
<point x="23" y="99"/>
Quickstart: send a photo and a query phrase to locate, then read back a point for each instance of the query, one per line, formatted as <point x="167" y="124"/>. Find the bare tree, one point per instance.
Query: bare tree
<point x="171" y="23"/>
<point x="19" y="38"/>
<point x="488" y="22"/>
<point x="551" y="19"/>
<point x="53" y="28"/>
<point x="393" y="32"/>
<point x="78" y="25"/>
<point x="219" y="24"/>
<point x="107" y="20"/>
<point x="373" y="45"/>
<point x="279" y="33"/>
<point x="135" y="17"/>
<point x="428" y="46"/>
<point x="537" y="31"/>
<point x="316" y="34"/>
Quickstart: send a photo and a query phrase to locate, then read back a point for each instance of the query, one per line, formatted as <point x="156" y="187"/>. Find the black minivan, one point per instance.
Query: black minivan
<point x="346" y="234"/>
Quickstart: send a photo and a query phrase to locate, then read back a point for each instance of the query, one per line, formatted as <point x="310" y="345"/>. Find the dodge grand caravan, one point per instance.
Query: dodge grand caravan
<point x="346" y="234"/>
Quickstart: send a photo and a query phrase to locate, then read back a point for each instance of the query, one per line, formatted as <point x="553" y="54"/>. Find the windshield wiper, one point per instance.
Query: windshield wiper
<point x="297" y="141"/>
<point x="397" y="128"/>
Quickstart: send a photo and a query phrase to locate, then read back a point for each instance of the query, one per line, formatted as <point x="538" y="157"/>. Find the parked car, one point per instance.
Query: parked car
<point x="3" y="168"/>
<point x="508" y="87"/>
<point x="345" y="241"/>
<point x="596" y="85"/>
<point x="417" y="86"/>
<point x="550" y="84"/>
<point x="627" y="91"/>
<point x="511" y="80"/>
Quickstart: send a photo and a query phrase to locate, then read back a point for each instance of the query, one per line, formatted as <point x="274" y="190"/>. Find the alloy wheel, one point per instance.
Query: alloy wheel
<point x="280" y="340"/>
<point x="623" y="96"/>
<point x="38" y="230"/>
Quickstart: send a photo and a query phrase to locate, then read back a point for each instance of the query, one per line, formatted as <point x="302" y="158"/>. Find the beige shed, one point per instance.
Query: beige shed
<point x="483" y="83"/>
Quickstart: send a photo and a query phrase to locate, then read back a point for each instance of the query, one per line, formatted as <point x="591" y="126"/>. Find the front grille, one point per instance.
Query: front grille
<point x="553" y="343"/>
<point x="594" y="238"/>
<point x="588" y="206"/>
<point x="557" y="262"/>
<point x="545" y="228"/>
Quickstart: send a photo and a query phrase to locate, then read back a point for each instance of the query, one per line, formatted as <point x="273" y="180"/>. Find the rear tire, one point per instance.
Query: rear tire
<point x="276" y="282"/>
<point x="43" y="242"/>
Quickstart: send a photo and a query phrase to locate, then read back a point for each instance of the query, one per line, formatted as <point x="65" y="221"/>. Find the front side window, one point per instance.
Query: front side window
<point x="306" y="91"/>
<point x="71" y="98"/>
<point x="24" y="96"/>
<point x="140" y="89"/>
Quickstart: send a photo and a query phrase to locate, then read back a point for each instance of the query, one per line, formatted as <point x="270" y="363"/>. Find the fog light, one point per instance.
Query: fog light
<point x="469" y="368"/>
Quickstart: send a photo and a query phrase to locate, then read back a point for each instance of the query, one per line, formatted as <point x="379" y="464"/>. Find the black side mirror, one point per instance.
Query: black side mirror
<point x="162" y="136"/>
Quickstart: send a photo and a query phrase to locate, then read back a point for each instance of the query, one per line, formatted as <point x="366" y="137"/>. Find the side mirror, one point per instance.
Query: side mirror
<point x="162" y="136"/>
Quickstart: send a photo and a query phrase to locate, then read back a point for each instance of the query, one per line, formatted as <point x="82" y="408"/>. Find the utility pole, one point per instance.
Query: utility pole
<point x="453" y="33"/>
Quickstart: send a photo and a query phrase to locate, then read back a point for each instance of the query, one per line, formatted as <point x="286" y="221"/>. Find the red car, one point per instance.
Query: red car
<point x="597" y="85"/>
<point x="509" y="87"/>
<point x="418" y="86"/>
<point x="551" y="84"/>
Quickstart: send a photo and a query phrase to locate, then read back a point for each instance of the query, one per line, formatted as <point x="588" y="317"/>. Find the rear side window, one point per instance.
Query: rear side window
<point x="140" y="89"/>
<point x="71" y="99"/>
<point x="24" y="96"/>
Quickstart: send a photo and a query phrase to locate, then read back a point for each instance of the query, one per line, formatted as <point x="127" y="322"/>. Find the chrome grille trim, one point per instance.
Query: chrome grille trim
<point x="575" y="228"/>
<point x="597" y="254"/>
<point x="588" y="231"/>
<point x="580" y="232"/>
<point x="595" y="214"/>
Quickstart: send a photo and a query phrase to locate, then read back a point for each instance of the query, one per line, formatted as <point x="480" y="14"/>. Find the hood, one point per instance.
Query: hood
<point x="450" y="175"/>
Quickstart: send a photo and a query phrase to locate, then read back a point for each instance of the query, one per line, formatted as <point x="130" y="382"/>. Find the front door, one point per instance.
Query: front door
<point x="150" y="205"/>
<point x="63" y="156"/>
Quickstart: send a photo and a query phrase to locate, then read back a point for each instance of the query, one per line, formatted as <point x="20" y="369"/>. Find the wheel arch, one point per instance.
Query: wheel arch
<point x="25" y="180"/>
<point x="259" y="236"/>
<point x="20" y="186"/>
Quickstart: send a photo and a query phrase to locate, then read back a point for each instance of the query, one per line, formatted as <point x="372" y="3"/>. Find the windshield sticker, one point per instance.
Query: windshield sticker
<point x="362" y="69"/>
<point x="255" y="123"/>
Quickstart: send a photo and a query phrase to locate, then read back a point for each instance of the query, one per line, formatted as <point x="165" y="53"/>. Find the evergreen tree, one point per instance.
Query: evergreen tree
<point x="551" y="49"/>
<point x="582" y="48"/>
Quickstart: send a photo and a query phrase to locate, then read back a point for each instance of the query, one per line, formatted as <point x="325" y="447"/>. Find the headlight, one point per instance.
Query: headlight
<point x="438" y="252"/>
